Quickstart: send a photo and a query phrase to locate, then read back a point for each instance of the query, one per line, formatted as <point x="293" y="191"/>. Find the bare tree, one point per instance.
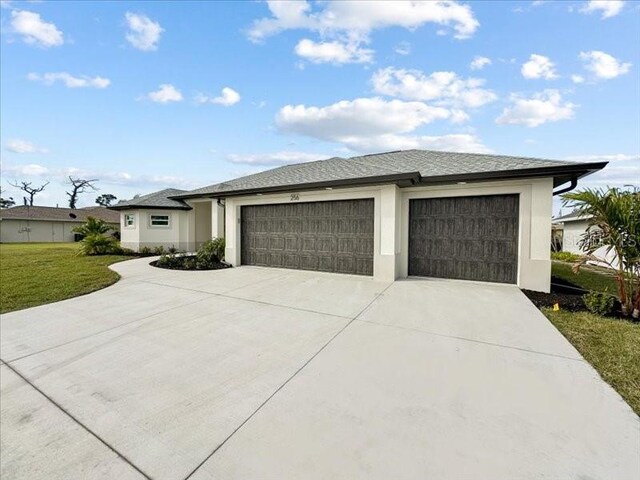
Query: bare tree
<point x="29" y="190"/>
<point x="78" y="186"/>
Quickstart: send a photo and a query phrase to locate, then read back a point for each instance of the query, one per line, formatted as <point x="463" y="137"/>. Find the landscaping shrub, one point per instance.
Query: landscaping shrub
<point x="565" y="256"/>
<point x="97" y="244"/>
<point x="144" y="251"/>
<point x="210" y="253"/>
<point x="169" y="260"/>
<point x="600" y="303"/>
<point x="159" y="250"/>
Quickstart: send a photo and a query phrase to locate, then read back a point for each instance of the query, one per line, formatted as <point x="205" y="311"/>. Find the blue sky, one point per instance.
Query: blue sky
<point x="148" y="95"/>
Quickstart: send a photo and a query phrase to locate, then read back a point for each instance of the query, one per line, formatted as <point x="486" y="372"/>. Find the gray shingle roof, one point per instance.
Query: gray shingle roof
<point x="575" y="214"/>
<point x="429" y="165"/>
<point x="160" y="199"/>
<point x="78" y="215"/>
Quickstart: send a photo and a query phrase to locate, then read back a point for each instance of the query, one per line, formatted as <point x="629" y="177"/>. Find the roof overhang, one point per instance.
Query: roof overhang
<point x="561" y="174"/>
<point x="146" y="207"/>
<point x="400" y="179"/>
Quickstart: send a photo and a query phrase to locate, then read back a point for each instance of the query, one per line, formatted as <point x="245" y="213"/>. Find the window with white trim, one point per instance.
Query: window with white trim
<point x="129" y="220"/>
<point x="159" y="220"/>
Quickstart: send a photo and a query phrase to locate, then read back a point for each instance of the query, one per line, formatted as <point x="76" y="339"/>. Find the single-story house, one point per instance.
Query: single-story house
<point x="49" y="224"/>
<point x="573" y="226"/>
<point x="388" y="215"/>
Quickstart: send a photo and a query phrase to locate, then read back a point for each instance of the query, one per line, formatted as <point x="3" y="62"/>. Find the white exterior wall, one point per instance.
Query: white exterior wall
<point x="571" y="237"/>
<point x="142" y="234"/>
<point x="391" y="222"/>
<point x="572" y="234"/>
<point x="44" y="231"/>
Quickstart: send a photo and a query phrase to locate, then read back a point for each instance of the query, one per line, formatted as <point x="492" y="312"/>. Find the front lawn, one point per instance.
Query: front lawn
<point x="590" y="278"/>
<point x="611" y="346"/>
<point x="33" y="274"/>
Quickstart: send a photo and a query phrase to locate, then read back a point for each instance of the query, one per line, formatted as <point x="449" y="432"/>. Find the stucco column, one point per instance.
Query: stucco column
<point x="387" y="259"/>
<point x="538" y="266"/>
<point x="217" y="219"/>
<point x="232" y="232"/>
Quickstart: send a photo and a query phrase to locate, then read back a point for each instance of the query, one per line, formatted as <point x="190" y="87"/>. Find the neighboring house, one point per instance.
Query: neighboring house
<point x="573" y="227"/>
<point x="49" y="224"/>
<point x="388" y="215"/>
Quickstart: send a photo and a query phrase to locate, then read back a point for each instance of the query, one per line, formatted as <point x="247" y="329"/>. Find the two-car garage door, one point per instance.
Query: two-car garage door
<point x="472" y="238"/>
<point x="334" y="236"/>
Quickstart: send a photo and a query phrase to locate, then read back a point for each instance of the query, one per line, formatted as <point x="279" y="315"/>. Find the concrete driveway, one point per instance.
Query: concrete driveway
<point x="256" y="373"/>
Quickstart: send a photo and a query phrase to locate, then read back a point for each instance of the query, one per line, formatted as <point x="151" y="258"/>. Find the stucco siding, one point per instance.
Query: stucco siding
<point x="144" y="234"/>
<point x="21" y="231"/>
<point x="391" y="210"/>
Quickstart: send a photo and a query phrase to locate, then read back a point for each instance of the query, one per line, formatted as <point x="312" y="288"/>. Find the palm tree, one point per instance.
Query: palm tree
<point x="93" y="226"/>
<point x="613" y="223"/>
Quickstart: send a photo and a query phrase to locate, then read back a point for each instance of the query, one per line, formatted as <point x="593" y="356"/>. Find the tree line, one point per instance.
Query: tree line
<point x="77" y="186"/>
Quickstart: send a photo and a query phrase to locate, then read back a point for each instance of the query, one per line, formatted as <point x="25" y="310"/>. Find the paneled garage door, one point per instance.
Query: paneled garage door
<point x="332" y="236"/>
<point x="471" y="238"/>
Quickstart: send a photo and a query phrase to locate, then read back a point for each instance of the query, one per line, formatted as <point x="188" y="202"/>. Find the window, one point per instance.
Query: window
<point x="129" y="220"/>
<point x="159" y="220"/>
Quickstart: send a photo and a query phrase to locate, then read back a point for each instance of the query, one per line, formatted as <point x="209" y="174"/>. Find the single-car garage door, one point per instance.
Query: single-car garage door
<point x="334" y="236"/>
<point x="471" y="238"/>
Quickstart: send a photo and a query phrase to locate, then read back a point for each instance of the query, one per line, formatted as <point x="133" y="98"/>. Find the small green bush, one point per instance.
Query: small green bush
<point x="159" y="250"/>
<point x="210" y="253"/>
<point x="600" y="303"/>
<point x="97" y="244"/>
<point x="565" y="256"/>
<point x="169" y="260"/>
<point x="144" y="251"/>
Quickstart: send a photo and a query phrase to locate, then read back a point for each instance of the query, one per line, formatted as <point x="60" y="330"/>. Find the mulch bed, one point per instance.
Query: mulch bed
<point x="181" y="266"/>
<point x="564" y="293"/>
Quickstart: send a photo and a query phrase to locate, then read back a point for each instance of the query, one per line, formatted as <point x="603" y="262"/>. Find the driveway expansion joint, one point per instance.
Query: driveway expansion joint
<point x="246" y="420"/>
<point x="148" y="317"/>
<point x="74" y="419"/>
<point x="481" y="342"/>
<point x="260" y="302"/>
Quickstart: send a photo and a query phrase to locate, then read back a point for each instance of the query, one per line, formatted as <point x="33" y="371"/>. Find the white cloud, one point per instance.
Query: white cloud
<point x="356" y="19"/>
<point x="539" y="66"/>
<point x="577" y="78"/>
<point x="144" y="33"/>
<point x="34" y="30"/>
<point x="17" y="145"/>
<point x="356" y="118"/>
<point x="546" y="106"/>
<point x="608" y="8"/>
<point x="403" y="48"/>
<point x="603" y="65"/>
<point x="29" y="170"/>
<point x="335" y="52"/>
<point x="479" y="62"/>
<point x="276" y="158"/>
<point x="70" y="81"/>
<point x="623" y="169"/>
<point x="227" y="97"/>
<point x="374" y="124"/>
<point x="166" y="93"/>
<point x="444" y="88"/>
<point x="450" y="143"/>
<point x="615" y="157"/>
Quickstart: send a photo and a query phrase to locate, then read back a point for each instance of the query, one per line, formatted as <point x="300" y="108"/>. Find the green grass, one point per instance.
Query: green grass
<point x="611" y="346"/>
<point x="33" y="274"/>
<point x="592" y="278"/>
